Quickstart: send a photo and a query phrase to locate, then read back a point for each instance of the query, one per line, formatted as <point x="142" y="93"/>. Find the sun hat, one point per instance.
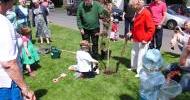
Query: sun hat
<point x="152" y="60"/>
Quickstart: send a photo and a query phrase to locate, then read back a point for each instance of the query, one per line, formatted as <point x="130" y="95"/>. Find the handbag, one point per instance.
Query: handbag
<point x="55" y="53"/>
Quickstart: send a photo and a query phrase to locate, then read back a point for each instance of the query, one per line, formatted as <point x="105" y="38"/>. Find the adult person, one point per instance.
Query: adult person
<point x="142" y="33"/>
<point x="88" y="15"/>
<point x="128" y="16"/>
<point x="12" y="84"/>
<point x="22" y="13"/>
<point x="44" y="10"/>
<point x="159" y="10"/>
<point x="40" y="22"/>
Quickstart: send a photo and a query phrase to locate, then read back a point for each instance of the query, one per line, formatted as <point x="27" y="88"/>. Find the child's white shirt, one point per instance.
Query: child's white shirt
<point x="84" y="61"/>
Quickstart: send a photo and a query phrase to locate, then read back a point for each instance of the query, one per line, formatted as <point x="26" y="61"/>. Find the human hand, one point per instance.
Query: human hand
<point x="144" y="42"/>
<point x="128" y="36"/>
<point x="159" y="27"/>
<point x="28" y="95"/>
<point x="97" y="34"/>
<point x="82" y="32"/>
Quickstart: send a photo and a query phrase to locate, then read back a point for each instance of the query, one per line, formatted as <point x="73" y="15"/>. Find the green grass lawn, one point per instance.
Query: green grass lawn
<point x="118" y="86"/>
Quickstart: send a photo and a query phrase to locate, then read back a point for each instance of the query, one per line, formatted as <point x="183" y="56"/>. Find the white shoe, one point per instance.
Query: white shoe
<point x="137" y="75"/>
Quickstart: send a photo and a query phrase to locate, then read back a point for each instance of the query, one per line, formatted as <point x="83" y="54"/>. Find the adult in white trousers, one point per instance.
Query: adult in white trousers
<point x="138" y="51"/>
<point x="142" y="33"/>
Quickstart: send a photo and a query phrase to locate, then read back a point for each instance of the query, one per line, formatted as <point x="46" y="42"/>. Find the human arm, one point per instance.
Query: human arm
<point x="185" y="54"/>
<point x="79" y="20"/>
<point x="13" y="70"/>
<point x="45" y="10"/>
<point x="25" y="44"/>
<point x="8" y="59"/>
<point x="89" y="58"/>
<point x="101" y="10"/>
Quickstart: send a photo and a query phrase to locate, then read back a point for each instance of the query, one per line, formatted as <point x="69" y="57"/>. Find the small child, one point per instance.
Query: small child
<point x="29" y="52"/>
<point x="85" y="63"/>
<point x="114" y="30"/>
<point x="181" y="37"/>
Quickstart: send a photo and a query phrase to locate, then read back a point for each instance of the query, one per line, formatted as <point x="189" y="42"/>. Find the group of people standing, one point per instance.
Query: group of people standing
<point x="146" y="30"/>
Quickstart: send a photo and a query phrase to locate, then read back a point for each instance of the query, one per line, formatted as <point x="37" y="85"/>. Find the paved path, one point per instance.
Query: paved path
<point x="60" y="17"/>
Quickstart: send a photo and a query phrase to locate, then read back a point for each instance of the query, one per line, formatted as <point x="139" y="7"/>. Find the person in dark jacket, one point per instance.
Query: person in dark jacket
<point x="22" y="14"/>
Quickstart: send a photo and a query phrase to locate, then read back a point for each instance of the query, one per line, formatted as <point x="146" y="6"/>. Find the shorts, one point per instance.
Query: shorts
<point x="12" y="93"/>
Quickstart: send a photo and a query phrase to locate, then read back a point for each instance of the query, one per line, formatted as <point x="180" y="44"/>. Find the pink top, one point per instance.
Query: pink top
<point x="157" y="11"/>
<point x="25" y="38"/>
<point x="45" y="4"/>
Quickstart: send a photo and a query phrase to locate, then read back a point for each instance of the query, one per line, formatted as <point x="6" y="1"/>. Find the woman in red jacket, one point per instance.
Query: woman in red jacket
<point x="142" y="33"/>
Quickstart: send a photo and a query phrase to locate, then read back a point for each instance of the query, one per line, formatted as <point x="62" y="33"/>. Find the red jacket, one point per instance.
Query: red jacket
<point x="143" y="27"/>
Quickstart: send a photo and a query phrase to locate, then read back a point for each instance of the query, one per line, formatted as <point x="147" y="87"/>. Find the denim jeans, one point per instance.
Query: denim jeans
<point x="12" y="93"/>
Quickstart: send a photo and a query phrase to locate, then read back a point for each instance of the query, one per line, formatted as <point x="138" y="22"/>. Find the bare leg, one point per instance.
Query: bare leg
<point x="47" y="40"/>
<point x="41" y="40"/>
<point x="29" y="70"/>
